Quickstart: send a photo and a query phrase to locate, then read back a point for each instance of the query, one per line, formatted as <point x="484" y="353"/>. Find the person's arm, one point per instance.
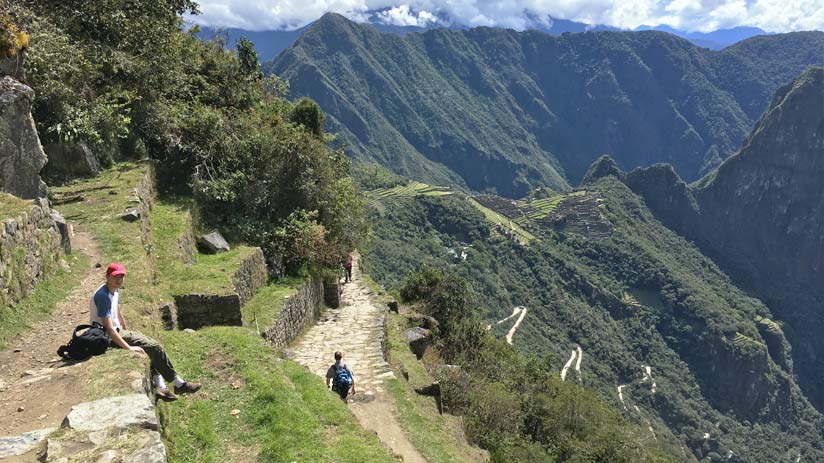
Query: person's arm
<point x="352" y="375"/>
<point x="115" y="336"/>
<point x="122" y="320"/>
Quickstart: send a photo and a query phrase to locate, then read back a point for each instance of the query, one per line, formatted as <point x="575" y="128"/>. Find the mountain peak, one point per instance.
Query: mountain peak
<point x="604" y="166"/>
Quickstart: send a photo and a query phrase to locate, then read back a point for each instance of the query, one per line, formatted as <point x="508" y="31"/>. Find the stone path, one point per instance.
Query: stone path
<point x="357" y="330"/>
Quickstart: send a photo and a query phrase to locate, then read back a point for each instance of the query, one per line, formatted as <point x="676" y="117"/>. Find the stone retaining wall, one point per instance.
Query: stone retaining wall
<point x="31" y="248"/>
<point x="299" y="310"/>
<point x="186" y="243"/>
<point x="198" y="310"/>
<point x="250" y="276"/>
<point x="145" y="192"/>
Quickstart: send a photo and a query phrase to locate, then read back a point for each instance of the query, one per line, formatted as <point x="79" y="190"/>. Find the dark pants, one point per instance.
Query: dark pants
<point x="348" y="273"/>
<point x="157" y="356"/>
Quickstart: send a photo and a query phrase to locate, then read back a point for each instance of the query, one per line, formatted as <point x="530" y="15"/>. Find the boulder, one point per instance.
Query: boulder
<point x="70" y="160"/>
<point x="21" y="156"/>
<point x="113" y="412"/>
<point x="419" y="340"/>
<point x="212" y="243"/>
<point x="131" y="215"/>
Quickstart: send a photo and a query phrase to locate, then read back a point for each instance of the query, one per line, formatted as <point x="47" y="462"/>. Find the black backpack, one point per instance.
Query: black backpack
<point x="94" y="341"/>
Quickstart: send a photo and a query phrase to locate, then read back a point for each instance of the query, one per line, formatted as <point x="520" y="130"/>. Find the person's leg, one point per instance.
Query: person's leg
<point x="159" y="360"/>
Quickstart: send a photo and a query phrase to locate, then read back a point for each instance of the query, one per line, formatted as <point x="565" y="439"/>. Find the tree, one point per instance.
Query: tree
<point x="248" y="59"/>
<point x="308" y="114"/>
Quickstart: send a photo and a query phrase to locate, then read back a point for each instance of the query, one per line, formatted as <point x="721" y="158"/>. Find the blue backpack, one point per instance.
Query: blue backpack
<point x="343" y="380"/>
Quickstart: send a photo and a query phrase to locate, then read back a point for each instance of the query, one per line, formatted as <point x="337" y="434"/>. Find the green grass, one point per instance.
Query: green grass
<point x="410" y="190"/>
<point x="11" y="206"/>
<point x="439" y="438"/>
<point x="117" y="239"/>
<point x="263" y="310"/>
<point x="495" y="218"/>
<point x="40" y="303"/>
<point x="285" y="412"/>
<point x="211" y="274"/>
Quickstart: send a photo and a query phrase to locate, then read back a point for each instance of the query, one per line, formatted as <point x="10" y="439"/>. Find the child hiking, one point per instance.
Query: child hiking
<point x="340" y="377"/>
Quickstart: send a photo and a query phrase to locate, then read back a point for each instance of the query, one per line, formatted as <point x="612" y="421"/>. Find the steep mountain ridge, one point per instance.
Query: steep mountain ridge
<point x="507" y="111"/>
<point x="759" y="215"/>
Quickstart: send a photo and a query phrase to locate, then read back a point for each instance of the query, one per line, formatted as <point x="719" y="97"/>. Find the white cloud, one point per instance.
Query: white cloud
<point x="693" y="15"/>
<point x="403" y="15"/>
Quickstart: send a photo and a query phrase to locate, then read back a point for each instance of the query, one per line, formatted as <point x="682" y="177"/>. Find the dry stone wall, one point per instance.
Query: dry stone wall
<point x="251" y="276"/>
<point x="299" y="310"/>
<point x="31" y="248"/>
<point x="199" y="310"/>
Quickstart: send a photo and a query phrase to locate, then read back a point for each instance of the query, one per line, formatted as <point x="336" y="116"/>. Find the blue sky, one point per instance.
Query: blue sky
<point x="691" y="15"/>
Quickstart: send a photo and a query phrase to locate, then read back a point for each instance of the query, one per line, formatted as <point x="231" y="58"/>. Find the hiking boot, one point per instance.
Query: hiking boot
<point x="187" y="388"/>
<point x="165" y="395"/>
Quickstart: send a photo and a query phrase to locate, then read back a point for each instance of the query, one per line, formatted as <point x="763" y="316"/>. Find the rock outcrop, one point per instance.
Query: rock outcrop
<point x="21" y="156"/>
<point x="70" y="160"/>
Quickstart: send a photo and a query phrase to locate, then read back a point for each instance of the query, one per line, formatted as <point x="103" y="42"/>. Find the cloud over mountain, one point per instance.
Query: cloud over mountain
<point x="693" y="15"/>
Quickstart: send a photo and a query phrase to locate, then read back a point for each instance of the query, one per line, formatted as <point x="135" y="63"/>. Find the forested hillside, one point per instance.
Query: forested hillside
<point x="759" y="216"/>
<point x="641" y="297"/>
<point x="652" y="323"/>
<point x="510" y="111"/>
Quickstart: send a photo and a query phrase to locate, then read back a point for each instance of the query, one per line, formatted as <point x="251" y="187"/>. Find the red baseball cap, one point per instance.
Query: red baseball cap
<point x="115" y="269"/>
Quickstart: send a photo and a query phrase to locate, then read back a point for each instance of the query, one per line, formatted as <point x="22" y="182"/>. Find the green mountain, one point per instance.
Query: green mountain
<point x="759" y="215"/>
<point x="671" y="337"/>
<point x="494" y="109"/>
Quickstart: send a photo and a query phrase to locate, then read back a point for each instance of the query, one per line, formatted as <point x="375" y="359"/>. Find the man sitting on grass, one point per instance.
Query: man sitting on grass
<point x="106" y="311"/>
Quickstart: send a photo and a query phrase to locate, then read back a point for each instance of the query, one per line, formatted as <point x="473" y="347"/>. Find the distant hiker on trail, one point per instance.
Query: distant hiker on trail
<point x="340" y="377"/>
<point x="106" y="311"/>
<point x="348" y="267"/>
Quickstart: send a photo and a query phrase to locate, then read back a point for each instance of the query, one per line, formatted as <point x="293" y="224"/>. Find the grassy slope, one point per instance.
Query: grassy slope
<point x="439" y="437"/>
<point x="286" y="414"/>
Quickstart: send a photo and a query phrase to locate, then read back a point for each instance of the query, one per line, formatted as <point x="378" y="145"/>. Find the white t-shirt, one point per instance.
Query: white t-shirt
<point x="105" y="304"/>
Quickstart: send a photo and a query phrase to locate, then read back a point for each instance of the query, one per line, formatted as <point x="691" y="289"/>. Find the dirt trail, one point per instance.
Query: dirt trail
<point x="576" y="356"/>
<point x="519" y="312"/>
<point x="357" y="330"/>
<point x="37" y="389"/>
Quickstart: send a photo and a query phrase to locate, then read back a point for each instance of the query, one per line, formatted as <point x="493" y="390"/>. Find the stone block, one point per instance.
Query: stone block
<point x="212" y="243"/>
<point x="113" y="412"/>
<point x="131" y="215"/>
